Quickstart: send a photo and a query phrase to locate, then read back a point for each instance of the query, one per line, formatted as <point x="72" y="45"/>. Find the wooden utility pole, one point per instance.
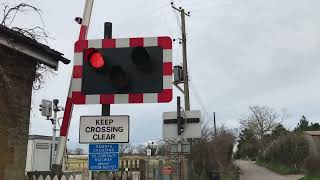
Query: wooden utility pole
<point x="182" y="162"/>
<point x="185" y="65"/>
<point x="183" y="14"/>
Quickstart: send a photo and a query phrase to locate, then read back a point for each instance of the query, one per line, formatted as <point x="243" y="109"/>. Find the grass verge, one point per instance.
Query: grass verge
<point x="278" y="168"/>
<point x="310" y="178"/>
<point x="231" y="173"/>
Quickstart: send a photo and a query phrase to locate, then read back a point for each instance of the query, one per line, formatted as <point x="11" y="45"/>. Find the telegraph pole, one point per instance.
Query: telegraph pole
<point x="183" y="14"/>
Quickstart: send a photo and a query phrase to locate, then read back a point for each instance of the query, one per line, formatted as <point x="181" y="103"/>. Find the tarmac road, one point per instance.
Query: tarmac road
<point x="251" y="171"/>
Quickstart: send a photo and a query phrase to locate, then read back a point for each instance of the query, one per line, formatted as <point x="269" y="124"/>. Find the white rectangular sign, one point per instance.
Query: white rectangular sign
<point x="191" y="130"/>
<point x="104" y="129"/>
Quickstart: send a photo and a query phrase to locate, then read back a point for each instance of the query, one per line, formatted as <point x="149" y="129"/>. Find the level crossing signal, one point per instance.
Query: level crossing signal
<point x="122" y="70"/>
<point x="131" y="70"/>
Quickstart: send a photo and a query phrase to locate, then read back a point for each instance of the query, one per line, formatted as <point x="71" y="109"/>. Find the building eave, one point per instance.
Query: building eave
<point x="312" y="133"/>
<point x="37" y="51"/>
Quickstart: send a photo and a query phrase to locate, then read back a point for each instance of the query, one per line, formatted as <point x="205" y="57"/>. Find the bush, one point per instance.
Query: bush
<point x="248" y="150"/>
<point x="231" y="172"/>
<point x="289" y="150"/>
<point x="312" y="165"/>
<point x="212" y="153"/>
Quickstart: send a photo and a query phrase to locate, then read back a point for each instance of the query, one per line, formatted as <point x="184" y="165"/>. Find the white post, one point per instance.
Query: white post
<point x="54" y="122"/>
<point x="87" y="12"/>
<point x="83" y="35"/>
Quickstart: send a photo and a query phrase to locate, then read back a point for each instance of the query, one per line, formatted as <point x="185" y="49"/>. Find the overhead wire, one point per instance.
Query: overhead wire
<point x="145" y="15"/>
<point x="176" y="14"/>
<point x="200" y="102"/>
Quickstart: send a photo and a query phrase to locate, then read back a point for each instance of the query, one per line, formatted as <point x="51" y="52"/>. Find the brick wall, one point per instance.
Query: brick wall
<point x="17" y="73"/>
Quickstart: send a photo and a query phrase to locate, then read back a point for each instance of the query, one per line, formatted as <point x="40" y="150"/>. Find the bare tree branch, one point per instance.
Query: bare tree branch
<point x="37" y="33"/>
<point x="261" y="120"/>
<point x="39" y="81"/>
<point x="10" y="13"/>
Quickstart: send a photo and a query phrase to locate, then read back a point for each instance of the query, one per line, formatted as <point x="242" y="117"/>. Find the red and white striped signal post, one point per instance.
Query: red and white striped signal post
<point x="116" y="71"/>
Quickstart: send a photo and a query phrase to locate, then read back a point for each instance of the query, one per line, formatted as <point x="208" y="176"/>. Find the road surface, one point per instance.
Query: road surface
<point x="251" y="171"/>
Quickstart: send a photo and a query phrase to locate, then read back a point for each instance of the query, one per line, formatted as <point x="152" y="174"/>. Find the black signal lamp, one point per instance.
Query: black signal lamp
<point x="119" y="78"/>
<point x="141" y="58"/>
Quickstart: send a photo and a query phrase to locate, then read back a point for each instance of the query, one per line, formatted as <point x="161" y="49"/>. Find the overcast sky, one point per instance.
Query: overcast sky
<point x="240" y="53"/>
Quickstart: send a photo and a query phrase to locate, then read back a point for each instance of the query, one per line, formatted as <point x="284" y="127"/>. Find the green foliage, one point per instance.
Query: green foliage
<point x="232" y="172"/>
<point x="304" y="125"/>
<point x="210" y="152"/>
<point x="289" y="150"/>
<point x="277" y="167"/>
<point x="279" y="131"/>
<point x="248" y="145"/>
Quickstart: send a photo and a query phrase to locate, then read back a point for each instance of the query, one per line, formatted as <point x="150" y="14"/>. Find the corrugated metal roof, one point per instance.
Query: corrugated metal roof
<point x="312" y="133"/>
<point x="17" y="36"/>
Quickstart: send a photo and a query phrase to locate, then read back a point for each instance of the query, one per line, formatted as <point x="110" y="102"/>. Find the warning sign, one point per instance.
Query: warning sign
<point x="104" y="129"/>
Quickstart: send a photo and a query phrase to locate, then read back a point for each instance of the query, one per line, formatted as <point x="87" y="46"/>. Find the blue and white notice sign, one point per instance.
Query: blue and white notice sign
<point x="103" y="157"/>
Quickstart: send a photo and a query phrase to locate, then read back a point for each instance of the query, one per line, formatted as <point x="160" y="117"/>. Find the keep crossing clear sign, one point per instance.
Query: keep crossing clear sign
<point x="104" y="157"/>
<point x="104" y="129"/>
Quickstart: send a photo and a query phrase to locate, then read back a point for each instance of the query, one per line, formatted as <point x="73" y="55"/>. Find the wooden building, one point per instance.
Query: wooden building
<point x="313" y="138"/>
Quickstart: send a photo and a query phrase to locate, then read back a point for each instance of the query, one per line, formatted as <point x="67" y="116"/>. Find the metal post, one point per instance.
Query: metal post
<point x="185" y="65"/>
<point x="107" y="35"/>
<point x="148" y="166"/>
<point x="54" y="130"/>
<point x="54" y="120"/>
<point x="179" y="115"/>
<point x="180" y="138"/>
<point x="214" y="121"/>
<point x="105" y="110"/>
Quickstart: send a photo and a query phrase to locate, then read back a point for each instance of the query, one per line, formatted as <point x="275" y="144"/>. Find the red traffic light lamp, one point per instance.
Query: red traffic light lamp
<point x="95" y="58"/>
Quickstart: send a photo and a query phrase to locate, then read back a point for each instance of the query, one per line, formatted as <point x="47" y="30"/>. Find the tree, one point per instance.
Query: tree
<point x="79" y="151"/>
<point x="141" y="150"/>
<point x="123" y="148"/>
<point x="261" y="121"/>
<point x="315" y="127"/>
<point x="153" y="148"/>
<point x="210" y="152"/>
<point x="248" y="144"/>
<point x="162" y="150"/>
<point x="279" y="131"/>
<point x="303" y="125"/>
